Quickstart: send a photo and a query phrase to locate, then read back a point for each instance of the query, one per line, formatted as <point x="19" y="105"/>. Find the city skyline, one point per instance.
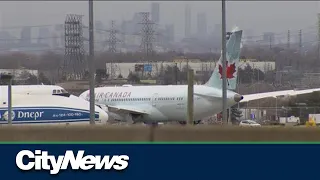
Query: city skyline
<point x="285" y="15"/>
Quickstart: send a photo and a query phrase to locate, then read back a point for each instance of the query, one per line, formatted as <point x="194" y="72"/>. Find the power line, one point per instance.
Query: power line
<point x="74" y="65"/>
<point x="283" y="34"/>
<point x="147" y="33"/>
<point x="113" y="40"/>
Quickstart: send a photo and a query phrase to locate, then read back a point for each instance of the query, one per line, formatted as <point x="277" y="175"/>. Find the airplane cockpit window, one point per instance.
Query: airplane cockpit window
<point x="60" y="92"/>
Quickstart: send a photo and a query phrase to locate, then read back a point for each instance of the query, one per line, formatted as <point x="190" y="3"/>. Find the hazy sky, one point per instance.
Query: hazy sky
<point x="259" y="16"/>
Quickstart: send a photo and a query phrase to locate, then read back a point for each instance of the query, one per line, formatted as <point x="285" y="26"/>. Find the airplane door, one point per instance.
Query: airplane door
<point x="154" y="99"/>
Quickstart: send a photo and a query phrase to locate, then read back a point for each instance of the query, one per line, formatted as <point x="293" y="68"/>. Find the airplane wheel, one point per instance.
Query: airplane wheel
<point x="194" y="122"/>
<point x="152" y="124"/>
<point x="197" y="122"/>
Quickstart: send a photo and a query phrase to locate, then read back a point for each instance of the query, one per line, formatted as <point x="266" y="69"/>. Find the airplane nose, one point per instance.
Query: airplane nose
<point x="103" y="117"/>
<point x="237" y="97"/>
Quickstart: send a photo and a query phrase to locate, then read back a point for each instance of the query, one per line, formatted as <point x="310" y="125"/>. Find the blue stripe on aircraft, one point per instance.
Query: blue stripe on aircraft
<point x="45" y="114"/>
<point x="48" y="121"/>
<point x="45" y="107"/>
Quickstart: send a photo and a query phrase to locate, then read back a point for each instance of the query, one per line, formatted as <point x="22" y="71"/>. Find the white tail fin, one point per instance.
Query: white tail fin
<point x="233" y="55"/>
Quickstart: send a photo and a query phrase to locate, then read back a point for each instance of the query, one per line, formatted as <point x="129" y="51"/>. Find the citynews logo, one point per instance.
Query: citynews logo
<point x="41" y="160"/>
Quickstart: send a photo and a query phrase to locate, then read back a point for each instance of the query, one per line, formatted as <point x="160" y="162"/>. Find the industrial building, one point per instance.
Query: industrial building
<point x="125" y="68"/>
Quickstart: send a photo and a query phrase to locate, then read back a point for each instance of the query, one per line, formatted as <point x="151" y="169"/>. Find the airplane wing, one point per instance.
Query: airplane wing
<point x="275" y="94"/>
<point x="127" y="109"/>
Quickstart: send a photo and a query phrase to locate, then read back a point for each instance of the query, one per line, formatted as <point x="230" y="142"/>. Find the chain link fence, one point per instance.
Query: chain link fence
<point x="273" y="114"/>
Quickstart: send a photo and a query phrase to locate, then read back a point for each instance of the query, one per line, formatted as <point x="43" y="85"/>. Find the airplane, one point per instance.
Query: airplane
<point x="35" y="90"/>
<point x="49" y="110"/>
<point x="164" y="103"/>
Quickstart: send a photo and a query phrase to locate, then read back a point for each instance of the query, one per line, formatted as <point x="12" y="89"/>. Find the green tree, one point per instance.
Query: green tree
<point x="171" y="75"/>
<point x="43" y="79"/>
<point x="304" y="104"/>
<point x="120" y="76"/>
<point x="236" y="114"/>
<point x="246" y="74"/>
<point x="133" y="78"/>
<point x="100" y="74"/>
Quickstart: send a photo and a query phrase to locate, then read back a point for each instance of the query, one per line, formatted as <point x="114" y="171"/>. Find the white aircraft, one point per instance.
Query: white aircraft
<point x="151" y="104"/>
<point x="48" y="109"/>
<point x="35" y="90"/>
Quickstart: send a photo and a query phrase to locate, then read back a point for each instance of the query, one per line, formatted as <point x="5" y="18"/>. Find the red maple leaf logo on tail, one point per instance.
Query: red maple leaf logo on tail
<point x="230" y="71"/>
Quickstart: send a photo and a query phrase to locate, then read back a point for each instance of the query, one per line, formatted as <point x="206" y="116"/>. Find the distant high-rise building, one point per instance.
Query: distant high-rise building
<point x="99" y="32"/>
<point x="268" y="36"/>
<point x="248" y="34"/>
<point x="43" y="35"/>
<point x="155" y="12"/>
<point x="170" y="32"/>
<point x="26" y="36"/>
<point x="202" y="24"/>
<point x="59" y="30"/>
<point x="217" y="30"/>
<point x="187" y="16"/>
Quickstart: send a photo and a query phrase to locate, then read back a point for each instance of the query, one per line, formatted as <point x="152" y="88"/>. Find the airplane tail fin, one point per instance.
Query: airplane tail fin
<point x="233" y="55"/>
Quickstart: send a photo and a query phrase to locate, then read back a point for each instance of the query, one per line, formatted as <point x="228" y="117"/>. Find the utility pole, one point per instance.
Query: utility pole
<point x="270" y="42"/>
<point x="190" y="96"/>
<point x="10" y="101"/>
<point x="224" y="68"/>
<point x="91" y="64"/>
<point x="288" y="40"/>
<point x="176" y="73"/>
<point x="300" y="42"/>
<point x="8" y="78"/>
<point x="318" y="37"/>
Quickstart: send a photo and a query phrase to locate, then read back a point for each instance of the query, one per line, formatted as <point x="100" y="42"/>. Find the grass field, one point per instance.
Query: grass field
<point x="161" y="133"/>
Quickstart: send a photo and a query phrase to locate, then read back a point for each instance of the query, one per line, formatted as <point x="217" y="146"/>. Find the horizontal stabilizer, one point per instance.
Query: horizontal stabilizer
<point x="206" y="96"/>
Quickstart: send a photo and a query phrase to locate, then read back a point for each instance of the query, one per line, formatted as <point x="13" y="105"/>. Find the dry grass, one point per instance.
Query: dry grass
<point x="161" y="133"/>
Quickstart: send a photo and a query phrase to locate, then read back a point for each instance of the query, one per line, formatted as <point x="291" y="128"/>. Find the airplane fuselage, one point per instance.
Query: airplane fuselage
<point x="163" y="103"/>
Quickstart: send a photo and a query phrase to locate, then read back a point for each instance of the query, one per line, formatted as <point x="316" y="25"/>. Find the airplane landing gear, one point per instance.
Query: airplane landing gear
<point x="194" y="122"/>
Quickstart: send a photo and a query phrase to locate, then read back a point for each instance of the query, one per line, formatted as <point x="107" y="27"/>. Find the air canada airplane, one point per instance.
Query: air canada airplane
<point x="163" y="103"/>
